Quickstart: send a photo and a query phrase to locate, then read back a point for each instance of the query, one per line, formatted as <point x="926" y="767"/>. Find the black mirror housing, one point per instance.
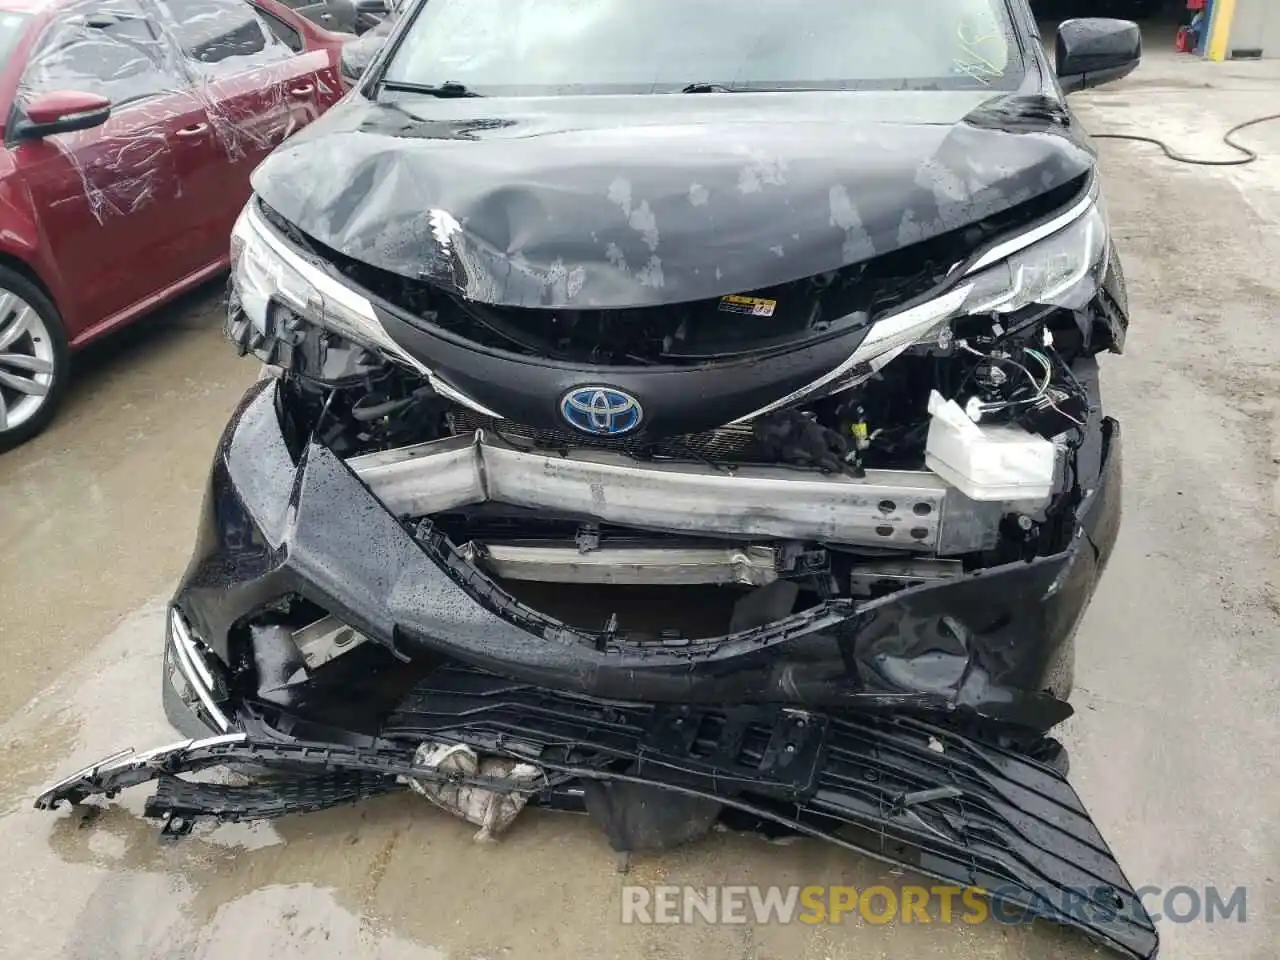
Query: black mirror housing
<point x="27" y="129"/>
<point x="373" y="6"/>
<point x="1095" y="50"/>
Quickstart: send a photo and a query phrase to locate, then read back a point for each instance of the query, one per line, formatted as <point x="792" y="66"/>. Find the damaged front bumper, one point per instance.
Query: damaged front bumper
<point x="987" y="645"/>
<point x="896" y="726"/>
<point x="653" y="775"/>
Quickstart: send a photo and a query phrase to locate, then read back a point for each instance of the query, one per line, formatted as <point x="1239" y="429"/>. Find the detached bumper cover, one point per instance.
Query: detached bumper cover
<point x="986" y="643"/>
<point x="896" y="789"/>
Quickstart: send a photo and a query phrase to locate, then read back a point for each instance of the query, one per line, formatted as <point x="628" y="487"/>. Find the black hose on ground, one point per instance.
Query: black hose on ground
<point x="1249" y="155"/>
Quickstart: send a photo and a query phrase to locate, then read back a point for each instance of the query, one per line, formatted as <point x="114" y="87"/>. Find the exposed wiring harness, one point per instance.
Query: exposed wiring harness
<point x="1040" y="388"/>
<point x="1249" y="156"/>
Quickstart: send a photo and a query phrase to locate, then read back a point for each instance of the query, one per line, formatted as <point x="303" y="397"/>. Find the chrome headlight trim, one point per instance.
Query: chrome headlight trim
<point x="264" y="267"/>
<point x="887" y="338"/>
<point x="1023" y="240"/>
<point x="1063" y="269"/>
<point x="1081" y="230"/>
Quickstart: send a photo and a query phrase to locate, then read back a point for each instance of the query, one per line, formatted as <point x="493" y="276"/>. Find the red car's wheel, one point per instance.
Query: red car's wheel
<point x="33" y="359"/>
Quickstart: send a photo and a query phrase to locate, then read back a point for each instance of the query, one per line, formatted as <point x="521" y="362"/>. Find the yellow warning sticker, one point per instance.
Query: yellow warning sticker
<point x="752" y="306"/>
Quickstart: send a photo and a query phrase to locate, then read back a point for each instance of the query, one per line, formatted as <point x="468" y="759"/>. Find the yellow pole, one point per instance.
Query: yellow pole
<point x="1220" y="29"/>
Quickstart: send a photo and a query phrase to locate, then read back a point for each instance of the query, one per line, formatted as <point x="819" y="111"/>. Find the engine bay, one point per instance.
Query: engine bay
<point x="866" y="449"/>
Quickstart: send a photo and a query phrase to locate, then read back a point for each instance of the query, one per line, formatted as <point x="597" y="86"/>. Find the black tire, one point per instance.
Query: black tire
<point x="13" y="282"/>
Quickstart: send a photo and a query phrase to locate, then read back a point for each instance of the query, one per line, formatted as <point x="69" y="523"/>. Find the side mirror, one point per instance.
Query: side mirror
<point x="1095" y="50"/>
<point x="382" y="7"/>
<point x="62" y="111"/>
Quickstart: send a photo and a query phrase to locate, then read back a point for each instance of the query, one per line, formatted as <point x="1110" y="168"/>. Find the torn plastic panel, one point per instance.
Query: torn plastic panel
<point x="653" y="776"/>
<point x="628" y="210"/>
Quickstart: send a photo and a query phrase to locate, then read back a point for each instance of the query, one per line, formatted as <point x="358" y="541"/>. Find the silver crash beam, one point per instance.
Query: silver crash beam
<point x="899" y="509"/>
<point x="667" y="565"/>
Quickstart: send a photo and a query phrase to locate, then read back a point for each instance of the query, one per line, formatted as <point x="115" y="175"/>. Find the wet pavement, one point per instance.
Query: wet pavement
<point x="1173" y="747"/>
<point x="98" y="514"/>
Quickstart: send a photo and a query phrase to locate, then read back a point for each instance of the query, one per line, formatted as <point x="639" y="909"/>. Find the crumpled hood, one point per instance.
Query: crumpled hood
<point x="612" y="202"/>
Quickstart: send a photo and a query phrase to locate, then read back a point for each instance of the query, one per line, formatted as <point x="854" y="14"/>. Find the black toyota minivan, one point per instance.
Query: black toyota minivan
<point x="699" y="398"/>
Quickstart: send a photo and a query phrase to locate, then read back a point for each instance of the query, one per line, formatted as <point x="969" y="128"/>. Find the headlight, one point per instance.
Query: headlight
<point x="1059" y="264"/>
<point x="267" y="276"/>
<point x="1063" y="270"/>
<point x="273" y="287"/>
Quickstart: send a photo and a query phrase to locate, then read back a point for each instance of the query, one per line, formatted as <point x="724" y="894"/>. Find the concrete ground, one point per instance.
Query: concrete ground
<point x="1174" y="745"/>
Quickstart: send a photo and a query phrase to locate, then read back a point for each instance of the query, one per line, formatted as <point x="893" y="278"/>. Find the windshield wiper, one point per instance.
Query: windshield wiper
<point x="704" y="87"/>
<point x="450" y="88"/>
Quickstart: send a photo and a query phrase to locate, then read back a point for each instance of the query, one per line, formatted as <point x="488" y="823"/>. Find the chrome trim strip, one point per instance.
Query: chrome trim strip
<point x="450" y="392"/>
<point x="109" y="761"/>
<point x="874" y="346"/>
<point x="197" y="673"/>
<point x="315" y="276"/>
<point x="1023" y="240"/>
<point x="129" y="759"/>
<point x="357" y="304"/>
<point x="184" y="637"/>
<point x="161" y="754"/>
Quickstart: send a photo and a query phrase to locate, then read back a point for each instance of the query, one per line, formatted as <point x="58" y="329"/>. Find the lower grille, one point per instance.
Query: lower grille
<point x="734" y="443"/>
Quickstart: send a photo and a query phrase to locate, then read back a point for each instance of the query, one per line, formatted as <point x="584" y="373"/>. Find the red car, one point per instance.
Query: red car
<point x="130" y="130"/>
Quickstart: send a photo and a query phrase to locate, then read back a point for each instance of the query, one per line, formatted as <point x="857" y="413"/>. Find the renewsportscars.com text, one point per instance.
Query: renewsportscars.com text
<point x="814" y="904"/>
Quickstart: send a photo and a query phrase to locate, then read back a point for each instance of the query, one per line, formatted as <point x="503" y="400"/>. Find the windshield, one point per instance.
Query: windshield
<point x="514" y="47"/>
<point x="12" y="26"/>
